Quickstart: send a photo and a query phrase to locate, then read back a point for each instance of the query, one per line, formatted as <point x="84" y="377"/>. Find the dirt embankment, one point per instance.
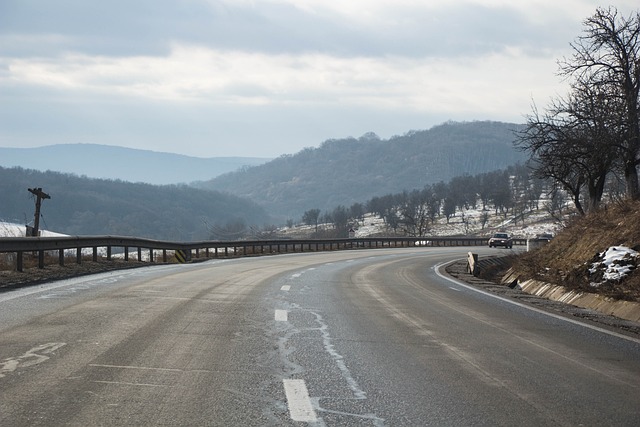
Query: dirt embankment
<point x="567" y="259"/>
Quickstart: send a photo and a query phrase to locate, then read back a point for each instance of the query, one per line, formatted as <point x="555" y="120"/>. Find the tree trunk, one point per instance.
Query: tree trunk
<point x="578" y="205"/>
<point x="631" y="180"/>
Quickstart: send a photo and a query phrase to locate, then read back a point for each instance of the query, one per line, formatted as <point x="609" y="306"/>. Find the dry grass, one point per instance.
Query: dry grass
<point x="567" y="258"/>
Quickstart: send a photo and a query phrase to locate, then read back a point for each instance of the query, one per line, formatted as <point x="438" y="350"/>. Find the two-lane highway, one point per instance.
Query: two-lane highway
<point x="368" y="337"/>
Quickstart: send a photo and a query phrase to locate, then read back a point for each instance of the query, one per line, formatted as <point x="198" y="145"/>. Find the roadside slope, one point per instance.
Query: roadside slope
<point x="567" y="259"/>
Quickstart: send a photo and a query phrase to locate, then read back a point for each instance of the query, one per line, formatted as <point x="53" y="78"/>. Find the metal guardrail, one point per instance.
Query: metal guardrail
<point x="215" y="249"/>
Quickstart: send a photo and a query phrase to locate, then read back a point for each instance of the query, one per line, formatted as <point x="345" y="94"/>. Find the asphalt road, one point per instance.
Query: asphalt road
<point x="350" y="338"/>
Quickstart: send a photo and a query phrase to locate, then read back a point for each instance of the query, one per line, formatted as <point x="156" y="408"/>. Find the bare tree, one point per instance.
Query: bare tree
<point x="573" y="142"/>
<point x="311" y="217"/>
<point x="357" y="211"/>
<point x="340" y="217"/>
<point x="608" y="56"/>
<point x="415" y="213"/>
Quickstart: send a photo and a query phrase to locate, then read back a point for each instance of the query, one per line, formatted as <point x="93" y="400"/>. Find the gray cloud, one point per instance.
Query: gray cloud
<point x="121" y="27"/>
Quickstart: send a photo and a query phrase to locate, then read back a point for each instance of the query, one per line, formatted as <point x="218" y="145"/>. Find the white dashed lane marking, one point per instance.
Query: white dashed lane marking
<point x="281" y="315"/>
<point x="300" y="408"/>
<point x="285" y="288"/>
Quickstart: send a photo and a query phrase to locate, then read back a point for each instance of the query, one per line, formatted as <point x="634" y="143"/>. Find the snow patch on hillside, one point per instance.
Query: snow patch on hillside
<point x="614" y="264"/>
<point x="469" y="222"/>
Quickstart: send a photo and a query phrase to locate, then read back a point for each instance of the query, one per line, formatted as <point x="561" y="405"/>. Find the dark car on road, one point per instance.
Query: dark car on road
<point x="544" y="237"/>
<point x="500" y="239"/>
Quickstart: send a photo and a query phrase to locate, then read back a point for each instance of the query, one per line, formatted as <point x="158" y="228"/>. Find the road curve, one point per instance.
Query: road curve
<point x="363" y="337"/>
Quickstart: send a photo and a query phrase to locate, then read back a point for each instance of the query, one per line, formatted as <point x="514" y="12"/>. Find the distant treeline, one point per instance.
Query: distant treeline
<point x="511" y="192"/>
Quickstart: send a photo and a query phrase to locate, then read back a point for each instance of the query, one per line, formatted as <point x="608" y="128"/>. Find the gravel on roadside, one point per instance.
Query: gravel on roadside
<point x="459" y="271"/>
<point x="35" y="276"/>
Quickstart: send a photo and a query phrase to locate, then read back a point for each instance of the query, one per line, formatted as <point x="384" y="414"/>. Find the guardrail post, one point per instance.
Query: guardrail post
<point x="95" y="254"/>
<point x="126" y="253"/>
<point x="139" y="254"/>
<point x="40" y="259"/>
<point x="164" y="256"/>
<point x="20" y="261"/>
<point x="61" y="257"/>
<point x="79" y="256"/>
<point x="150" y="255"/>
<point x="108" y="253"/>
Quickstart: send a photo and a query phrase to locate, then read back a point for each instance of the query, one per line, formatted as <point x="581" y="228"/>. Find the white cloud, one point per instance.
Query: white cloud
<point x="197" y="73"/>
<point x="354" y="66"/>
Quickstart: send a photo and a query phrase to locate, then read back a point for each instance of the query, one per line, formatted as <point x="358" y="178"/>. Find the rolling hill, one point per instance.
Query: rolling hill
<point x="350" y="170"/>
<point x="126" y="164"/>
<point x="83" y="206"/>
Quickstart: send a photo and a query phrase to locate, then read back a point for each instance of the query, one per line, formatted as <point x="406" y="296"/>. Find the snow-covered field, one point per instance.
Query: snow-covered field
<point x="8" y="229"/>
<point x="460" y="225"/>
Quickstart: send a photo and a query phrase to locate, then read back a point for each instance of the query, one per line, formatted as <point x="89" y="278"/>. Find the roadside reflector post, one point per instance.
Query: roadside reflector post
<point x="472" y="263"/>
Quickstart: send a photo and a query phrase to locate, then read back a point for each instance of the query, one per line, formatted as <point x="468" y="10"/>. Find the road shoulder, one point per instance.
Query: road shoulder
<point x="458" y="270"/>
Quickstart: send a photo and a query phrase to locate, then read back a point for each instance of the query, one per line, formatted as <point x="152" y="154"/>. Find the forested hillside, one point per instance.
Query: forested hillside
<point x="82" y="206"/>
<point x="344" y="171"/>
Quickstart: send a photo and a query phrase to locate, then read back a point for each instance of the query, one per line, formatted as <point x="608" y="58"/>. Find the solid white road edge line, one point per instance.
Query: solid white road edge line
<point x="437" y="268"/>
<point x="281" y="315"/>
<point x="300" y="408"/>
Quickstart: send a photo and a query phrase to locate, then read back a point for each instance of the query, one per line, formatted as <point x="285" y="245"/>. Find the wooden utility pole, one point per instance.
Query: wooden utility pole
<point x="40" y="195"/>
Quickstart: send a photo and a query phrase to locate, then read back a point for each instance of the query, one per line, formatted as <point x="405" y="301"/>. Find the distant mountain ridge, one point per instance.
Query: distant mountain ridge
<point x="350" y="170"/>
<point x="126" y="164"/>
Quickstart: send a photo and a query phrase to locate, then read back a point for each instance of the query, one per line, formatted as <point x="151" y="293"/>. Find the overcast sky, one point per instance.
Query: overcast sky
<point x="263" y="78"/>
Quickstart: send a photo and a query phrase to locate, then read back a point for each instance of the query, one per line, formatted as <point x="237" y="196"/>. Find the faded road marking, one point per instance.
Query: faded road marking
<point x="32" y="357"/>
<point x="146" y="368"/>
<point x="285" y="288"/>
<point x="131" y="384"/>
<point x="281" y="315"/>
<point x="300" y="408"/>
